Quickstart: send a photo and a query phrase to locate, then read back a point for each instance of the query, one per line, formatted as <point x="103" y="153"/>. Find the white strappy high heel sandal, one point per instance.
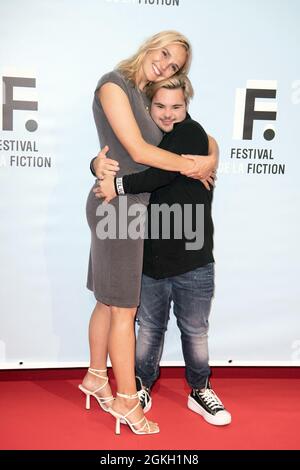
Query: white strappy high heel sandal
<point x="145" y="429"/>
<point x="92" y="393"/>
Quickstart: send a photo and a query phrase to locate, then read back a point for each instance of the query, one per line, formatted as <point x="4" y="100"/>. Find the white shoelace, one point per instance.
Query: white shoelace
<point x="211" y="399"/>
<point x="144" y="395"/>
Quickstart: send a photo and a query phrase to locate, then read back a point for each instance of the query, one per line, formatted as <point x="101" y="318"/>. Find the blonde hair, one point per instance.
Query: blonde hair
<point x="129" y="67"/>
<point x="173" y="83"/>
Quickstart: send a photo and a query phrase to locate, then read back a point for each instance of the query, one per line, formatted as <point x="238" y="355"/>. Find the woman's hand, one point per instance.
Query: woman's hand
<point x="205" y="167"/>
<point x="104" y="166"/>
<point x="209" y="182"/>
<point x="106" y="189"/>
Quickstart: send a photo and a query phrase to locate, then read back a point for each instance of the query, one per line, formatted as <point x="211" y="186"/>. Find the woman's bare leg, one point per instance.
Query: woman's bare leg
<point x="121" y="347"/>
<point x="98" y="339"/>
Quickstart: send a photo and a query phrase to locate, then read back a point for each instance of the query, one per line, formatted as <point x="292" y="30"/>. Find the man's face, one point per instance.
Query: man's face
<point x="167" y="108"/>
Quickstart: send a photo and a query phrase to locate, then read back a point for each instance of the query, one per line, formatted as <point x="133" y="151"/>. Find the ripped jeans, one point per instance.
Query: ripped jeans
<point x="192" y="295"/>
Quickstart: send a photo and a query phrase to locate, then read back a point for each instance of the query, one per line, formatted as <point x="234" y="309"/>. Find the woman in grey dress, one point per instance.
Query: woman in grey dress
<point x="123" y="123"/>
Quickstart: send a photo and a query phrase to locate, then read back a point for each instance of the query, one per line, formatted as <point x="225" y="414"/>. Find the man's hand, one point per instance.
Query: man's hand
<point x="104" y="166"/>
<point x="106" y="189"/>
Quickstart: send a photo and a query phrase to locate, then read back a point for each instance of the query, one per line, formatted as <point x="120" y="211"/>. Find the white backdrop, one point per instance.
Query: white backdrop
<point x="64" y="46"/>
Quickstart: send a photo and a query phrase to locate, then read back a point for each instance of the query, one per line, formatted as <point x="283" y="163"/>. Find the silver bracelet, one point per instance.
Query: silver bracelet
<point x="119" y="186"/>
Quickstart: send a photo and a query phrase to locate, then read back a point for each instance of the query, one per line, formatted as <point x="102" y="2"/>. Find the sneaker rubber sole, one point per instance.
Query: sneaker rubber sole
<point x="222" y="418"/>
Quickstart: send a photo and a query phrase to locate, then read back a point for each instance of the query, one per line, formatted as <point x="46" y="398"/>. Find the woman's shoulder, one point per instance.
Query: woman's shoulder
<point x="116" y="77"/>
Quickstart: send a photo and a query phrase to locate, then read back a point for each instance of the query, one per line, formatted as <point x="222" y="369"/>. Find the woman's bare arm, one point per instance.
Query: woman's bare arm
<point x="120" y="116"/>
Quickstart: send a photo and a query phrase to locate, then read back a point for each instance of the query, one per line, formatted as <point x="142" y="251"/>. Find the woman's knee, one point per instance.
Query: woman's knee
<point x="123" y="315"/>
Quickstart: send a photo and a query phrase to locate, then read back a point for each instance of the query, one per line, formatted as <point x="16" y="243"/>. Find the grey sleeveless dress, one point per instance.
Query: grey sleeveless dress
<point x="115" y="265"/>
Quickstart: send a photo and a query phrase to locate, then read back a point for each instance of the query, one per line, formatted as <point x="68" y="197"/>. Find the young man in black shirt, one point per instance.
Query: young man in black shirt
<point x="179" y="267"/>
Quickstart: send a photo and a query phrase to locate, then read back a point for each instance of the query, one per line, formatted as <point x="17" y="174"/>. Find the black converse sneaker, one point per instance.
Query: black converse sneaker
<point x="209" y="406"/>
<point x="144" y="395"/>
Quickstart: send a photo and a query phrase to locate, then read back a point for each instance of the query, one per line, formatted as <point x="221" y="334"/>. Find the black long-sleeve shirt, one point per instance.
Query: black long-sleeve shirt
<point x="170" y="257"/>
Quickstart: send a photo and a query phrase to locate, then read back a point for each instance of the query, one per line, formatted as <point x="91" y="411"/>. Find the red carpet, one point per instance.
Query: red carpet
<point x="43" y="409"/>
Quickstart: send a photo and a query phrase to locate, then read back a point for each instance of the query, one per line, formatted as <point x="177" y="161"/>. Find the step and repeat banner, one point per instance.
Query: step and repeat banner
<point x="246" y="75"/>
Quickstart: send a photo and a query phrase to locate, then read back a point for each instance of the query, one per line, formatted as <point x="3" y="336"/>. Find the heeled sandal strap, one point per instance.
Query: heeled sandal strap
<point x="142" y="429"/>
<point x="132" y="410"/>
<point x="129" y="397"/>
<point x="101" y="386"/>
<point x="106" y="399"/>
<point x="96" y="372"/>
<point x="104" y="377"/>
<point x="138" y="422"/>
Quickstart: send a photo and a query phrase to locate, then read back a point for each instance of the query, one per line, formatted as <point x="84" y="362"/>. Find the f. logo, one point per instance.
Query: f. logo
<point x="248" y="109"/>
<point x="9" y="104"/>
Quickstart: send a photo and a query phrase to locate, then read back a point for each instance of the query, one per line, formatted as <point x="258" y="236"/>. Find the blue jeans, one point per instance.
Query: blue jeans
<point x="191" y="294"/>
